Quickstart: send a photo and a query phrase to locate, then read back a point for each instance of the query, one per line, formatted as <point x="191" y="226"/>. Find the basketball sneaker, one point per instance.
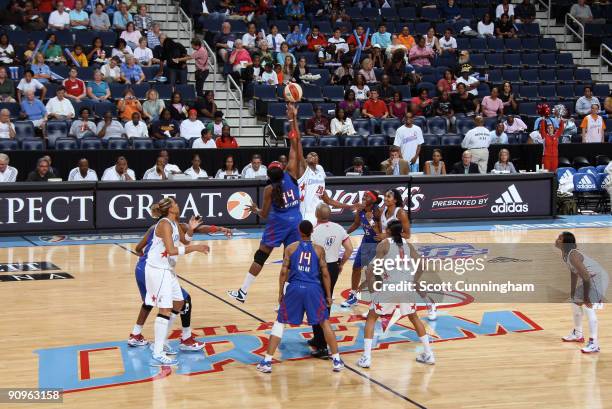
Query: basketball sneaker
<point x="137" y="341"/>
<point x="350" y="301"/>
<point x="591" y="347"/>
<point x="163" y="360"/>
<point x="338" y="365"/>
<point x="365" y="361"/>
<point x="168" y="350"/>
<point x="426" y="358"/>
<point x="264" y="366"/>
<point x="191" y="344"/>
<point x="432" y="312"/>
<point x="573" y="336"/>
<point x="237" y="295"/>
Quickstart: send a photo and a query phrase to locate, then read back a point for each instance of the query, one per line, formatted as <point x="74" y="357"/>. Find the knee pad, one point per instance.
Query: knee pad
<point x="147" y="307"/>
<point x="260" y="257"/>
<point x="186" y="306"/>
<point x="277" y="329"/>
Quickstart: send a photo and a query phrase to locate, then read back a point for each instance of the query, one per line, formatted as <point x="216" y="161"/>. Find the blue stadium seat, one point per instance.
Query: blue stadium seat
<point x="90" y="144"/>
<point x="512" y="59"/>
<point x="309" y="142"/>
<point x="421" y="122"/>
<point x="527" y="109"/>
<point x="495" y="76"/>
<point x="51" y="90"/>
<point x="24" y="129"/>
<point x="548" y="44"/>
<point x="431" y="140"/>
<point x="64" y="38"/>
<point x="362" y="127"/>
<point x="490" y="123"/>
<point x="564" y="172"/>
<point x="117" y="89"/>
<point x="478" y="60"/>
<point x="407" y="13"/>
<point x="333" y="93"/>
<point x="277" y="110"/>
<point x="329" y="141"/>
<point x="530" y="76"/>
<point x="325" y="76"/>
<point x="164" y="90"/>
<point x="587" y="169"/>
<point x="430" y="14"/>
<point x="548" y="60"/>
<point x="601" y="168"/>
<point x="530" y="60"/>
<point x="496" y="45"/>
<point x="13" y="108"/>
<point x="565" y="60"/>
<point x="483" y="90"/>
<point x="101" y="109"/>
<point x="437" y="126"/>
<point x="85" y="73"/>
<point x="479" y="44"/>
<point x="86" y="103"/>
<point x="511" y="75"/>
<point x="305" y="110"/>
<point x="176" y="143"/>
<point x="142" y="143"/>
<point x="431" y="88"/>
<point x="583" y="75"/>
<point x="566" y="76"/>
<point x="56" y="130"/>
<point x="118" y="144"/>
<point x="312" y="93"/>
<point x="463" y="124"/>
<point x="389" y="126"/>
<point x="370" y="13"/>
<point x="451" y="140"/>
<point x="66" y="144"/>
<point x="531" y="44"/>
<point x="528" y="92"/>
<point x="495" y="60"/>
<point x="513" y="44"/>
<point x="565" y="91"/>
<point x="376" y="140"/>
<point x="354" y="141"/>
<point x="140" y="90"/>
<point x="601" y="90"/>
<point x="187" y="91"/>
<point x="405" y="90"/>
<point x="546" y="91"/>
<point x="150" y="72"/>
<point x="8" y="145"/>
<point x="32" y="144"/>
<point x="547" y="75"/>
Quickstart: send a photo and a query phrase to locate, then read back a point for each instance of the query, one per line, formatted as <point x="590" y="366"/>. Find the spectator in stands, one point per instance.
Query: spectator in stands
<point x="447" y="82"/>
<point x="318" y="125"/>
<point x="8" y="174"/>
<point x="41" y="71"/>
<point x="464" y="103"/>
<point x="7" y="129"/>
<point x="375" y="110"/>
<point x="507" y="97"/>
<point x="504" y="8"/>
<point x="136" y="128"/>
<point x="29" y="83"/>
<point x="79" y="56"/>
<point x="367" y="70"/>
<point x="54" y="51"/>
<point x="206" y="106"/>
<point x="486" y="28"/>
<point x="142" y="20"/>
<point x="344" y="74"/>
<point x="448" y="43"/>
<point x="121" y="17"/>
<point x="33" y="109"/>
<point x="295" y="9"/>
<point x="422" y="104"/>
<point x="341" y="125"/>
<point x="226" y="140"/>
<point x="443" y="107"/>
<point x="99" y="19"/>
<point x="11" y="14"/>
<point x="365" y="42"/>
<point x="119" y="172"/>
<point x="335" y="9"/>
<point x="42" y="173"/>
<point x="79" y="19"/>
<point x="395" y="165"/>
<point x="435" y="166"/>
<point x="498" y="135"/>
<point x="175" y="58"/>
<point x="284" y="53"/>
<point x="405" y="38"/>
<point x="7" y="52"/>
<point x="59" y="19"/>
<point x="240" y="58"/>
<point x="165" y="126"/>
<point x="477" y="141"/>
<point x="465" y="166"/>
<point x="200" y="57"/>
<point x="274" y="39"/>
<point x="131" y="35"/>
<point x="607" y="104"/>
<point x="382" y="37"/>
<point x="254" y="169"/>
<point x="350" y="105"/>
<point x="397" y="107"/>
<point x="585" y="102"/>
<point x="131" y="72"/>
<point x="450" y="12"/>
<point x="7" y="87"/>
<point x="178" y="109"/>
<point x="470" y="81"/>
<point x="593" y="126"/>
<point x="514" y="125"/>
<point x="82" y="173"/>
<point x="129" y="104"/>
<point x="339" y="42"/>
<point x="158" y="172"/>
<point x="358" y="167"/>
<point x="60" y="107"/>
<point x="195" y="171"/>
<point x="96" y="53"/>
<point x="32" y="21"/>
<point x="409" y="138"/>
<point x="224" y="41"/>
<point x="153" y="106"/>
<point x="300" y="70"/>
<point x="394" y="47"/>
<point x="492" y="105"/>
<point x="386" y="91"/>
<point x="191" y="127"/>
<point x="98" y="90"/>
<point x="121" y="50"/>
<point x="111" y="71"/>
<point x="431" y="41"/>
<point x="228" y="171"/>
<point x="216" y="126"/>
<point x="420" y="55"/>
<point x="316" y="40"/>
<point x="206" y="141"/>
<point x="109" y="128"/>
<point x="249" y="39"/>
<point x="398" y="71"/>
<point x="503" y="164"/>
<point x="504" y="27"/>
<point x="525" y="12"/>
<point x="75" y="88"/>
<point x="582" y="12"/>
<point x="360" y="88"/>
<point x="269" y="76"/>
<point x="83" y="127"/>
<point x="153" y="37"/>
<point x="143" y="54"/>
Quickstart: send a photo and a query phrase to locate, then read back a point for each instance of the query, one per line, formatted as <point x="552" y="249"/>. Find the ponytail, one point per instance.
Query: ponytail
<point x="161" y="208"/>
<point x="275" y="175"/>
<point x="395" y="230"/>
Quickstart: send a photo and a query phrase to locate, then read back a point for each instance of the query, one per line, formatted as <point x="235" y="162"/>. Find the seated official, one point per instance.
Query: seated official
<point x="466" y="166"/>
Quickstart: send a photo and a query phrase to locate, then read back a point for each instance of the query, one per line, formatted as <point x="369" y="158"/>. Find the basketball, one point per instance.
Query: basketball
<point x="293" y="92"/>
<point x="237" y="205"/>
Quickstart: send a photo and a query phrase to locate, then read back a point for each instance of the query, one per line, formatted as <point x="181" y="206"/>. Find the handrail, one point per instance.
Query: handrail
<point x="603" y="59"/>
<point x="548" y="8"/>
<point x="212" y="64"/>
<point x="184" y="22"/>
<point x="268" y="128"/>
<point x="571" y="29"/>
<point x="236" y="96"/>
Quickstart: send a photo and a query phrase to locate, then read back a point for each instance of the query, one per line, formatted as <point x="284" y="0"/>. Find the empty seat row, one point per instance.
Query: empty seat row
<point x="63" y="37"/>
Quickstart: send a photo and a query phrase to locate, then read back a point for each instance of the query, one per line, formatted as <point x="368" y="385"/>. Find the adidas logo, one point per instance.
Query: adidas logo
<point x="586" y="183"/>
<point x="566" y="177"/>
<point x="510" y="202"/>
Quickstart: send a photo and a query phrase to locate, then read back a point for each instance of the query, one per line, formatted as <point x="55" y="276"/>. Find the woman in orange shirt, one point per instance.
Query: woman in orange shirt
<point x="405" y="38"/>
<point x="226" y="140"/>
<point x="128" y="105"/>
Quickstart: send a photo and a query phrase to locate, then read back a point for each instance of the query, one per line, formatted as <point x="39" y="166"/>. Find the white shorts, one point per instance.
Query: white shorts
<point x="387" y="308"/>
<point x="162" y="287"/>
<point x="311" y="217"/>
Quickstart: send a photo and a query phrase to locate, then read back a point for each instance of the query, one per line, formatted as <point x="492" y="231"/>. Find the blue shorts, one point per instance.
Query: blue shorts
<point x="300" y="298"/>
<point x="281" y="231"/>
<point x="142" y="286"/>
<point x="365" y="253"/>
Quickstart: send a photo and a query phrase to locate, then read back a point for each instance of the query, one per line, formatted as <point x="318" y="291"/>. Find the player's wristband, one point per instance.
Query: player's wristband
<point x="181" y="250"/>
<point x="213" y="229"/>
<point x="188" y="237"/>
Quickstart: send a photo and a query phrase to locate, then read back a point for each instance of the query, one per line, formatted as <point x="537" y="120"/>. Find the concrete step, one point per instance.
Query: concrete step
<point x="250" y="141"/>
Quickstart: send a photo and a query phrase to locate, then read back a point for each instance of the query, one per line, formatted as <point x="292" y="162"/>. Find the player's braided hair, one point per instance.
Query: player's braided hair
<point x="161" y="208"/>
<point x="276" y="177"/>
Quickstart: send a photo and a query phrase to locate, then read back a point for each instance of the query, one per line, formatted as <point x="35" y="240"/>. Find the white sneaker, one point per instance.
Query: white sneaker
<point x="365" y="361"/>
<point x="432" y="312"/>
<point x="168" y="350"/>
<point x="337" y="365"/>
<point x="137" y="340"/>
<point x="163" y="360"/>
<point x="573" y="336"/>
<point x="426" y="358"/>
<point x="591" y="347"/>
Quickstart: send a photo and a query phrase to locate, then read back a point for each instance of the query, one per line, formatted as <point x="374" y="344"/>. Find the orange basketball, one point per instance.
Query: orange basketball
<point x="293" y="92"/>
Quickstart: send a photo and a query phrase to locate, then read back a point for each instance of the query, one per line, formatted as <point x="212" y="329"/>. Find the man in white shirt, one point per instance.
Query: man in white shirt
<point x="83" y="173"/>
<point x="471" y="83"/>
<point x="205" y="142"/>
<point x="269" y="77"/>
<point x="195" y="171"/>
<point x="409" y="138"/>
<point x="59" y="19"/>
<point x="448" y="44"/>
<point x="249" y="39"/>
<point x="136" y="128"/>
<point x="7" y="173"/>
<point x="255" y="169"/>
<point x="79" y="19"/>
<point x="499" y="10"/>
<point x="332" y="237"/>
<point x="168" y="167"/>
<point x="339" y="42"/>
<point x="7" y="129"/>
<point x="477" y="140"/>
<point x="119" y="172"/>
<point x="59" y="107"/>
<point x="275" y="39"/>
<point x="191" y="127"/>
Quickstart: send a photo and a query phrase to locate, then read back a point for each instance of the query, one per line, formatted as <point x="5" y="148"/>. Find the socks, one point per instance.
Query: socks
<point x="186" y="333"/>
<point x="248" y="281"/>
<point x="367" y="347"/>
<point x="336" y="356"/>
<point x="268" y="358"/>
<point x="592" y="317"/>
<point x="425" y="341"/>
<point x="161" y="332"/>
<point x="577" y="315"/>
<point x="171" y="323"/>
<point x="137" y="330"/>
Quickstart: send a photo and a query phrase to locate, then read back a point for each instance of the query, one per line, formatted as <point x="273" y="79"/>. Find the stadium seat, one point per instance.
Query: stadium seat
<point x="118" y="143"/>
<point x="566" y="75"/>
<point x="142" y="143"/>
<point x="175" y="143"/>
<point x="312" y="93"/>
<point x="600" y="168"/>
<point x="547" y="75"/>
<point x="101" y="109"/>
<point x="140" y="90"/>
<point x="511" y="74"/>
<point x="451" y="140"/>
<point x="565" y="91"/>
<point x="56" y="130"/>
<point x="565" y="60"/>
<point x="583" y="76"/>
<point x="66" y="144"/>
<point x="24" y="129"/>
<point x="547" y="92"/>
<point x="495" y="60"/>
<point x="496" y="45"/>
<point x="530" y="60"/>
<point x="530" y="76"/>
<point x="512" y="59"/>
<point x="329" y="141"/>
<point x="513" y="44"/>
<point x="13" y="108"/>
<point x="548" y="60"/>
<point x="309" y="142"/>
<point x="564" y="172"/>
<point x="334" y="93"/>
<point x="376" y="140"/>
<point x="431" y="140"/>
<point x="407" y="14"/>
<point x="463" y="125"/>
<point x="437" y="126"/>
<point x="602" y="160"/>
<point x="389" y="126"/>
<point x="588" y="169"/>
<point x="431" y="88"/>
<point x="548" y="44"/>
<point x="164" y="91"/>
<point x="90" y="144"/>
<point x="532" y="45"/>
<point x="580" y="161"/>
<point x="601" y="90"/>
<point x="527" y="109"/>
<point x="362" y="127"/>
<point x="354" y="141"/>
<point x="490" y="123"/>
<point x="32" y="144"/>
<point x="8" y="145"/>
<point x="187" y="91"/>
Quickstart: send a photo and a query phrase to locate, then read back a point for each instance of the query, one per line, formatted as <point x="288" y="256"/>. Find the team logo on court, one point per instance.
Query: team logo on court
<point x="53" y="239"/>
<point x="237" y="205"/>
<point x="510" y="202"/>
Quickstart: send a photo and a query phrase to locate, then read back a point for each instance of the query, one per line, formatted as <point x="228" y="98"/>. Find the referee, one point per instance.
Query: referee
<point x="331" y="236"/>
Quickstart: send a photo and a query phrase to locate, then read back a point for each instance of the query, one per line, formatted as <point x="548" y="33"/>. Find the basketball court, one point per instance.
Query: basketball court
<point x="70" y="331"/>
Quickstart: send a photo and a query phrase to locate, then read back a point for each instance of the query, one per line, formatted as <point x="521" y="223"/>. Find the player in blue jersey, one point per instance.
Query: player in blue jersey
<point x="304" y="268"/>
<point x="188" y="342"/>
<point x="369" y="220"/>
<point x="281" y="206"/>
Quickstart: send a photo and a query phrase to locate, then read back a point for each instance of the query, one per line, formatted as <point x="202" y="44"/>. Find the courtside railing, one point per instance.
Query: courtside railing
<point x="575" y="24"/>
<point x="212" y="65"/>
<point x="604" y="59"/>
<point x="234" y="91"/>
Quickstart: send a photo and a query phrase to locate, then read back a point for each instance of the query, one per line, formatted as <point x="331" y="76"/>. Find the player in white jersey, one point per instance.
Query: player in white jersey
<point x="394" y="247"/>
<point x="162" y="287"/>
<point x="589" y="296"/>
